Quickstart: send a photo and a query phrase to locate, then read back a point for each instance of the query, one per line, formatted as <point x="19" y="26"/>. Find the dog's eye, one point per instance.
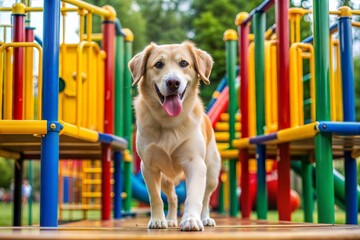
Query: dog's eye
<point x="159" y="65"/>
<point x="183" y="63"/>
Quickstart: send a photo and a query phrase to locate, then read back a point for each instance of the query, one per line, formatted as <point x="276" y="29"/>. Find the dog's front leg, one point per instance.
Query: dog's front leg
<point x="152" y="180"/>
<point x="195" y="173"/>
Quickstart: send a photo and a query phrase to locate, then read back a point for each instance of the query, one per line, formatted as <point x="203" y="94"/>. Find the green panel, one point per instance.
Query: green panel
<point x="307" y="189"/>
<point x="259" y="30"/>
<point x="119" y="86"/>
<point x="128" y="167"/>
<point x="324" y="168"/>
<point x="231" y="51"/>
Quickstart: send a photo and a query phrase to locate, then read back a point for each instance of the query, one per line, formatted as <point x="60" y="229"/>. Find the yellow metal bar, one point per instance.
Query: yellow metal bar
<point x="338" y="84"/>
<point x="23" y="127"/>
<point x="95" y="36"/>
<point x="89" y="27"/>
<point x="294" y="91"/>
<point x="8" y="83"/>
<point x="332" y="81"/>
<point x="100" y="93"/>
<point x="29" y="90"/>
<point x="79" y="78"/>
<point x="241" y="143"/>
<point x="222" y="146"/>
<point x="298" y="133"/>
<point x="79" y="132"/>
<point x="229" y="154"/>
<point x="82" y="24"/>
<point x="27" y="9"/>
<point x="68" y="9"/>
<point x="104" y="12"/>
<point x="224" y="126"/>
<point x="355" y="24"/>
<point x="8" y="86"/>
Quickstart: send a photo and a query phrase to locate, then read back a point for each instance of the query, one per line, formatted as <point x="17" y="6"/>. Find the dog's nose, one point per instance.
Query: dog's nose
<point x="173" y="84"/>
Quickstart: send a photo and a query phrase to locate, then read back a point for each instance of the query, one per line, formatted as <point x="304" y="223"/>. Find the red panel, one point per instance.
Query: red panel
<point x="245" y="198"/>
<point x="108" y="44"/>
<point x="18" y="71"/>
<point x="105" y="182"/>
<point x="284" y="203"/>
<point x="282" y="32"/>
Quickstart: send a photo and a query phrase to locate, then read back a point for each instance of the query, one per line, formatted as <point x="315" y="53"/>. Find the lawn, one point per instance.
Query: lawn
<point x="7" y="208"/>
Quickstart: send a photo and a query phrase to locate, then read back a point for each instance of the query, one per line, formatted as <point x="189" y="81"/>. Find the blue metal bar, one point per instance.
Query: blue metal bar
<point x="261" y="182"/>
<point x="50" y="143"/>
<point x="340" y="128"/>
<point x="347" y="75"/>
<point x="263" y="138"/>
<point x="38" y="40"/>
<point x="118" y="185"/>
<point x="333" y="28"/>
<point x="263" y="7"/>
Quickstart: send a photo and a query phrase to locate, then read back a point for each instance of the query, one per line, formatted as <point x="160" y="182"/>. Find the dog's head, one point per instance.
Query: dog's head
<point x="169" y="74"/>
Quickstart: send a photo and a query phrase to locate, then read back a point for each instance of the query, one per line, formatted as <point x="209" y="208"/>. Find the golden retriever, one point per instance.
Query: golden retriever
<point x="174" y="135"/>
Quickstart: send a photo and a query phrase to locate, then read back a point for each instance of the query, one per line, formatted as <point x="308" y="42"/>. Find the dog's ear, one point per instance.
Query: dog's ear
<point x="137" y="64"/>
<point x="202" y="60"/>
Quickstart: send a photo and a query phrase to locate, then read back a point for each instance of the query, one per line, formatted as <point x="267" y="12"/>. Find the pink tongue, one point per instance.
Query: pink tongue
<point x="172" y="105"/>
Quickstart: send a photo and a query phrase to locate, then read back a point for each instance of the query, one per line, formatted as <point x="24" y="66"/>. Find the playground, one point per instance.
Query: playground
<point x="285" y="105"/>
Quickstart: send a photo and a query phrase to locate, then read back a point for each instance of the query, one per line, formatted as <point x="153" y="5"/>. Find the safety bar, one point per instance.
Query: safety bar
<point x="107" y="13"/>
<point x="263" y="7"/>
<point x="25" y="44"/>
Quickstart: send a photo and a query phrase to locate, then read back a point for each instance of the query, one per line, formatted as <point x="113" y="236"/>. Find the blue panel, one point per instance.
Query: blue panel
<point x="347" y="68"/>
<point x="310" y="39"/>
<point x="66" y="182"/>
<point x="351" y="198"/>
<point x="263" y="138"/>
<point x="118" y="184"/>
<point x="109" y="138"/>
<point x="50" y="143"/>
<point x="340" y="128"/>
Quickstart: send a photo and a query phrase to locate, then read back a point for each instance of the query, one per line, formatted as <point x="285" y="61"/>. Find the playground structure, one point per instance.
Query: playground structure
<point x="331" y="132"/>
<point x="84" y="110"/>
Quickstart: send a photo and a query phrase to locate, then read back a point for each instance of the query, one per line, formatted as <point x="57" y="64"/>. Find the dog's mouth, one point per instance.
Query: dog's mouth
<point x="172" y="103"/>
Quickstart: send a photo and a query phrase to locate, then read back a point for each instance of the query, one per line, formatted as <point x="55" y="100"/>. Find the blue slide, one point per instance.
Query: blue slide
<point x="140" y="192"/>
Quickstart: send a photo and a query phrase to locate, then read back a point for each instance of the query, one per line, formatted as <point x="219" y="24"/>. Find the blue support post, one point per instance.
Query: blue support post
<point x="118" y="184"/>
<point x="347" y="75"/>
<point x="50" y="143"/>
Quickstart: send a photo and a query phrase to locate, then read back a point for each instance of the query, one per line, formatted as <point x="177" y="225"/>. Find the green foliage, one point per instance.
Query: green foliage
<point x="129" y="18"/>
<point x="164" y="20"/>
<point x="6" y="172"/>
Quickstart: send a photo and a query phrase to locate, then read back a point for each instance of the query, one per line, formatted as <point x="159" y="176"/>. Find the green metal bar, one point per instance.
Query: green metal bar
<point x="119" y="86"/>
<point x="307" y="189"/>
<point x="30" y="201"/>
<point x="323" y="142"/>
<point x="128" y="121"/>
<point x="230" y="45"/>
<point x="259" y="30"/>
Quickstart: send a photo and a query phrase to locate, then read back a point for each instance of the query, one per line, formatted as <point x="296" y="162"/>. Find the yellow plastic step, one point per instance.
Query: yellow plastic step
<point x="224" y="136"/>
<point x="224" y="126"/>
<point x="224" y="117"/>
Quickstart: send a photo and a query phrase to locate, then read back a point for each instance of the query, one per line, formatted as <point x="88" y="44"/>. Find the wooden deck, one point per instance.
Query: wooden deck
<point x="227" y="228"/>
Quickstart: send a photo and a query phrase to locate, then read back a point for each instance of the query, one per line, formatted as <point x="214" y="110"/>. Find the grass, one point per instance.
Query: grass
<point x="6" y="218"/>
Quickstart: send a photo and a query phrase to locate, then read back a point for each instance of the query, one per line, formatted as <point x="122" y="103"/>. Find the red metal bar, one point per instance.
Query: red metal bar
<point x="105" y="182"/>
<point x="18" y="72"/>
<point x="245" y="197"/>
<point x="108" y="43"/>
<point x="282" y="31"/>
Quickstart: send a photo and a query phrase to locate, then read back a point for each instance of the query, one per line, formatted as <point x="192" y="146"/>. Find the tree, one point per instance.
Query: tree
<point x="164" y="20"/>
<point x="208" y="21"/>
<point x="129" y="18"/>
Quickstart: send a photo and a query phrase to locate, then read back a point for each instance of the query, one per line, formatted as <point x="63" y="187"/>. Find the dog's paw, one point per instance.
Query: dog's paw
<point x="157" y="224"/>
<point x="172" y="222"/>
<point x="209" y="222"/>
<point x="191" y="224"/>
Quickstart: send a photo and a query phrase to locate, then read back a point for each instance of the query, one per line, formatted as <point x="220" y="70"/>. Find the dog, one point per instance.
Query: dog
<point x="174" y="136"/>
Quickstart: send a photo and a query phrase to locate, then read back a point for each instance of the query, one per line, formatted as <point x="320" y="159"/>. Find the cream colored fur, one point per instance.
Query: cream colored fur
<point x="173" y="147"/>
